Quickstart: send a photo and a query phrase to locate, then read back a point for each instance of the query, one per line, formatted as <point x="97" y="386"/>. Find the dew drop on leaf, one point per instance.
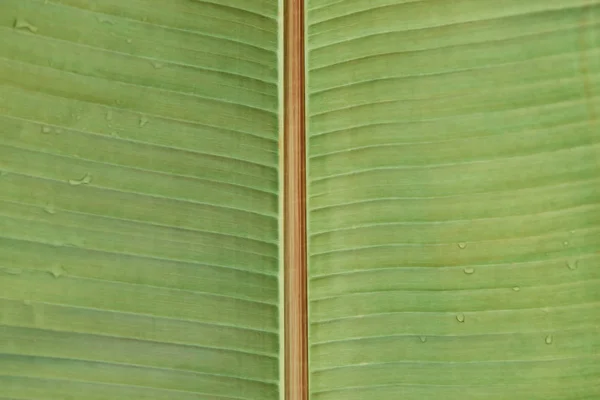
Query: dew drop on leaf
<point x="27" y="302"/>
<point x="157" y="65"/>
<point x="76" y="241"/>
<point x="572" y="264"/>
<point x="83" y="181"/>
<point x="462" y="245"/>
<point x="460" y="317"/>
<point x="423" y="339"/>
<point x="143" y="121"/>
<point x="516" y="288"/>
<point x="57" y="271"/>
<point x="469" y="270"/>
<point x="104" y="20"/>
<point x="46" y="129"/>
<point x="22" y="24"/>
<point x="49" y="208"/>
<point x="548" y="339"/>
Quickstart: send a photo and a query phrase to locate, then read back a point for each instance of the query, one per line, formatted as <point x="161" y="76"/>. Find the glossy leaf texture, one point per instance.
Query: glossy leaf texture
<point x="139" y="199"/>
<point x="454" y="203"/>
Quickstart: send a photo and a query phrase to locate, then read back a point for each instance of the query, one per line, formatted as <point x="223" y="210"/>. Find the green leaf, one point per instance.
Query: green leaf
<point x="453" y="199"/>
<point x="139" y="199"/>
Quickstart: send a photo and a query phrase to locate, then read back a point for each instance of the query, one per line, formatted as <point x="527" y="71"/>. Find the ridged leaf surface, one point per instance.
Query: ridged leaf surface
<point x="138" y="199"/>
<point x="454" y="203"/>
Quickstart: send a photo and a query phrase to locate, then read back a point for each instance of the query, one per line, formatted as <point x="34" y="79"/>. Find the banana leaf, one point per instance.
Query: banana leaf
<point x="453" y="190"/>
<point x="139" y="199"/>
<point x="453" y="153"/>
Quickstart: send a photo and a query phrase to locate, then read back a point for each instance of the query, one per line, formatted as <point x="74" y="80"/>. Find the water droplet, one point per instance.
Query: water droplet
<point x="109" y="115"/>
<point x="14" y="271"/>
<point x="83" y="181"/>
<point x="572" y="264"/>
<point x="22" y="24"/>
<point x="143" y="121"/>
<point x="423" y="339"/>
<point x="548" y="339"/>
<point x="76" y="241"/>
<point x="104" y="20"/>
<point x="157" y="65"/>
<point x="49" y="208"/>
<point x="57" y="271"/>
<point x="462" y="245"/>
<point x="565" y="243"/>
<point x="516" y="288"/>
<point x="129" y="40"/>
<point x="469" y="270"/>
<point x="46" y="129"/>
<point x="27" y="302"/>
<point x="460" y="317"/>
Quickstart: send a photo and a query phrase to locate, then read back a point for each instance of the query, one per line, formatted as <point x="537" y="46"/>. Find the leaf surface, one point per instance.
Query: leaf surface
<point x="139" y="199"/>
<point x="453" y="199"/>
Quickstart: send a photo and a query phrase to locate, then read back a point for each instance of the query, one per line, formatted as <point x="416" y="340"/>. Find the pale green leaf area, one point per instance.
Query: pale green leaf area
<point x="139" y="199"/>
<point x="454" y="199"/>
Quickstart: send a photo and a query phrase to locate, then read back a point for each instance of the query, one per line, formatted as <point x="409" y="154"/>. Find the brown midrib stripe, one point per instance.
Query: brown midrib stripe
<point x="294" y="203"/>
